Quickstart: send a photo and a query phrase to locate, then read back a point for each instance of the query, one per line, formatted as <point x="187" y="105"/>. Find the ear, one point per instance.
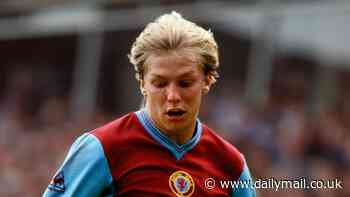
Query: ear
<point x="206" y="85"/>
<point x="142" y="87"/>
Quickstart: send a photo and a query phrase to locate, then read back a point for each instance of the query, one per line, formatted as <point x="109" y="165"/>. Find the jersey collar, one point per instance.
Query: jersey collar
<point x="177" y="150"/>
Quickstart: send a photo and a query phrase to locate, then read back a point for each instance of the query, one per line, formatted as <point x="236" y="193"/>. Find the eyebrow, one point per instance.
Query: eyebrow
<point x="186" y="74"/>
<point x="157" y="76"/>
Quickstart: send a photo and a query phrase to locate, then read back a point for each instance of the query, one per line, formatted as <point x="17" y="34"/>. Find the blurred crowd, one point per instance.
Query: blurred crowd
<point x="280" y="141"/>
<point x="34" y="136"/>
<point x="286" y="142"/>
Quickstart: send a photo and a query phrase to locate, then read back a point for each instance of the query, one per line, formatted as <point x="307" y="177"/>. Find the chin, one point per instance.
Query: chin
<point x="177" y="127"/>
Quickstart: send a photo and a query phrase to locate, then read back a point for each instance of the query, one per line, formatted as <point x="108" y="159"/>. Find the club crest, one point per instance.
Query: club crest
<point x="181" y="184"/>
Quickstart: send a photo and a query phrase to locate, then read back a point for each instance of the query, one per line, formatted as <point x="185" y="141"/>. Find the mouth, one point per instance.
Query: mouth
<point x="175" y="113"/>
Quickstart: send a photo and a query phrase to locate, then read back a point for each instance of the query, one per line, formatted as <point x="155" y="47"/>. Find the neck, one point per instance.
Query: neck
<point x="179" y="136"/>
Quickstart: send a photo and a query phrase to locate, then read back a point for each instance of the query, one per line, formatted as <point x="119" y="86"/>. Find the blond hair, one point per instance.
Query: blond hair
<point x="171" y="32"/>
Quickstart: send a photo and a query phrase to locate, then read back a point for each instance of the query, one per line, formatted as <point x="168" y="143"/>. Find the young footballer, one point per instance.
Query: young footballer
<point x="163" y="149"/>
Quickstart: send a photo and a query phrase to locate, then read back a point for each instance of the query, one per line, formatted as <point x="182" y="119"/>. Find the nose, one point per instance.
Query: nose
<point x="173" y="94"/>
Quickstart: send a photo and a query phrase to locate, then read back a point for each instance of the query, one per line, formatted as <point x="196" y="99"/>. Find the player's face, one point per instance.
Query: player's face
<point x="174" y="86"/>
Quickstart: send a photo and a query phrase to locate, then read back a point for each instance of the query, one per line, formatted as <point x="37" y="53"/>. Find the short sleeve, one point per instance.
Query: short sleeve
<point x="245" y="188"/>
<point x="84" y="172"/>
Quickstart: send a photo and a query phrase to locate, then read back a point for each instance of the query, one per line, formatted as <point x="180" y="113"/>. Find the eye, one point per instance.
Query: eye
<point x="159" y="83"/>
<point x="185" y="83"/>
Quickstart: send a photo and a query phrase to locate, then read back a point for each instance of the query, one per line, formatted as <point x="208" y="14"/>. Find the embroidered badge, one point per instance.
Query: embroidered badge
<point x="57" y="183"/>
<point x="181" y="184"/>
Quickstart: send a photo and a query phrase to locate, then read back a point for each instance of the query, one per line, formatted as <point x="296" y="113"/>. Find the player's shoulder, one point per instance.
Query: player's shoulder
<point x="118" y="129"/>
<point x="221" y="147"/>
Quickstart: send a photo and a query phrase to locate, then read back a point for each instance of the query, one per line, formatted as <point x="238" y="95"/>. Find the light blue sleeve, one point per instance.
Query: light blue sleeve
<point x="84" y="172"/>
<point x="247" y="189"/>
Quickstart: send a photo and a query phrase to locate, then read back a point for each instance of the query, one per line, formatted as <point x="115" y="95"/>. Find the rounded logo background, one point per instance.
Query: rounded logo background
<point x="181" y="184"/>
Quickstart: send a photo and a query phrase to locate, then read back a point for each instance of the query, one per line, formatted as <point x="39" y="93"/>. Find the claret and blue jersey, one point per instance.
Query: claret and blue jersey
<point x="131" y="157"/>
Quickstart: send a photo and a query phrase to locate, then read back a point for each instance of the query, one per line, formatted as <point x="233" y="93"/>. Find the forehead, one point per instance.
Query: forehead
<point x="173" y="65"/>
